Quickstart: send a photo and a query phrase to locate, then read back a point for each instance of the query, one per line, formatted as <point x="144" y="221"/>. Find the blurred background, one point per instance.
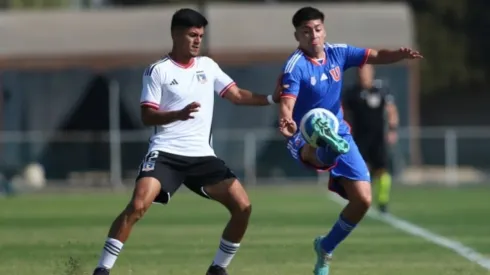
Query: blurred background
<point x="70" y="83"/>
<point x="71" y="78"/>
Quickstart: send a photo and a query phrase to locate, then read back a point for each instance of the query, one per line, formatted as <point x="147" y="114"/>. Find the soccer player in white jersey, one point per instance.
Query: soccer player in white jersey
<point x="177" y="100"/>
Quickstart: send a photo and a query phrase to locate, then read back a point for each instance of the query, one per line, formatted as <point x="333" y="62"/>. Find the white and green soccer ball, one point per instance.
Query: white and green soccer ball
<point x="307" y="125"/>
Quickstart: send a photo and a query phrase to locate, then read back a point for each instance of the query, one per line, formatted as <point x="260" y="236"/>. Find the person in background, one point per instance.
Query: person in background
<point x="371" y="110"/>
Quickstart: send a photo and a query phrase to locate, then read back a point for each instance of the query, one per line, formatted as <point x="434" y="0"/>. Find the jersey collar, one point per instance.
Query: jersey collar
<point x="314" y="61"/>
<point x="181" y="65"/>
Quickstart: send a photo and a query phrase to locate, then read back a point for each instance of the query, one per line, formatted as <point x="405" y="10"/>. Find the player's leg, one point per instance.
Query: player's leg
<point x="156" y="182"/>
<point x="381" y="177"/>
<point x="214" y="180"/>
<point x="231" y="194"/>
<point x="350" y="179"/>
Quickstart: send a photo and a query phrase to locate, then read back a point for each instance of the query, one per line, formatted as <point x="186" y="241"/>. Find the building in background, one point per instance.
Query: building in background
<point x="60" y="65"/>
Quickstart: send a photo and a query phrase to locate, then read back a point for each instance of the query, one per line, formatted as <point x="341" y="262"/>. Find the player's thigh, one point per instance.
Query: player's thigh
<point x="160" y="173"/>
<point x="211" y="178"/>
<point x="351" y="168"/>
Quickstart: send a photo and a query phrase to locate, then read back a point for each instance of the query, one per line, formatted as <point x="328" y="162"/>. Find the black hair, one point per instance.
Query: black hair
<point x="188" y="18"/>
<point x="307" y="14"/>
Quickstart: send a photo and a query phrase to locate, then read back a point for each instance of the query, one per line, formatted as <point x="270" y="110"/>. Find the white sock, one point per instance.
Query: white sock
<point x="225" y="253"/>
<point x="112" y="248"/>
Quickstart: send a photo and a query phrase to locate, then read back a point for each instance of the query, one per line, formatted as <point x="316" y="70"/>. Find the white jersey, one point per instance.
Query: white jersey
<point x="169" y="86"/>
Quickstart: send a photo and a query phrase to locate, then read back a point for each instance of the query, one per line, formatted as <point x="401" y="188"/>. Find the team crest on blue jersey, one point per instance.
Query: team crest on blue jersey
<point x="336" y="74"/>
<point x="201" y="77"/>
<point x="313" y="80"/>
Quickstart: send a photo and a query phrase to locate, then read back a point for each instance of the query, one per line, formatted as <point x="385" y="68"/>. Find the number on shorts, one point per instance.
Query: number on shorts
<point x="149" y="162"/>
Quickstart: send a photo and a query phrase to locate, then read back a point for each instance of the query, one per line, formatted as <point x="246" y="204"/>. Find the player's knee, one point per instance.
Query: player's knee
<point x="137" y="209"/>
<point x="364" y="200"/>
<point x="359" y="193"/>
<point x="246" y="209"/>
<point x="242" y="210"/>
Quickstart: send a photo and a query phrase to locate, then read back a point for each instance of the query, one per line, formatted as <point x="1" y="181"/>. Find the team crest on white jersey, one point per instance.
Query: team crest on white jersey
<point x="201" y="76"/>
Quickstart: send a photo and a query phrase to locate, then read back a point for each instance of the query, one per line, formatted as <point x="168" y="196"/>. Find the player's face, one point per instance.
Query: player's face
<point x="311" y="35"/>
<point x="190" y="40"/>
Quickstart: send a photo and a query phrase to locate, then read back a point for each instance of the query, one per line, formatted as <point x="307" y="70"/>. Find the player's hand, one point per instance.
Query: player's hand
<point x="288" y="127"/>
<point x="408" y="53"/>
<point x="188" y="110"/>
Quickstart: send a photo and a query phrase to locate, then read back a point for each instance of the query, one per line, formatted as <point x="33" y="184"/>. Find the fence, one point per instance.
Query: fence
<point x="258" y="156"/>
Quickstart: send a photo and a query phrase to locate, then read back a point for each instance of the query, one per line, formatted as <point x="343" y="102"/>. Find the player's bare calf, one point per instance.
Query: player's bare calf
<point x="233" y="196"/>
<point x="145" y="192"/>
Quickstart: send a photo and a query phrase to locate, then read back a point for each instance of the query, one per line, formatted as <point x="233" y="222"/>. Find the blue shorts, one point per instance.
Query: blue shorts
<point x="351" y="165"/>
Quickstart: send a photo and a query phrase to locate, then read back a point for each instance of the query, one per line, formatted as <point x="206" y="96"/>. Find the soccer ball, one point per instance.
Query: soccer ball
<point x="306" y="125"/>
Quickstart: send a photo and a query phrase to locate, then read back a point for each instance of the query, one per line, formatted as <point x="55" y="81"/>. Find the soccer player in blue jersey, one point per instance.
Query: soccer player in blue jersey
<point x="312" y="78"/>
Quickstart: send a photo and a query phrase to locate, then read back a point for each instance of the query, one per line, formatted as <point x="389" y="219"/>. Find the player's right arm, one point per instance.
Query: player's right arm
<point x="290" y="83"/>
<point x="151" y="96"/>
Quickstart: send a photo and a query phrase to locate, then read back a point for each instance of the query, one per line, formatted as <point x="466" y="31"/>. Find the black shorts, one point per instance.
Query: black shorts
<point x="373" y="149"/>
<point x="174" y="170"/>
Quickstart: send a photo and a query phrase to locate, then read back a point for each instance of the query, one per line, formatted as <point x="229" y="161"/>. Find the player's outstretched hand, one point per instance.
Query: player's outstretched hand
<point x="408" y="53"/>
<point x="288" y="127"/>
<point x="186" y="113"/>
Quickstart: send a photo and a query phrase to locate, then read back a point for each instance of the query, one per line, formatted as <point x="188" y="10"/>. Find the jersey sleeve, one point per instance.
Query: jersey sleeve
<point x="355" y="57"/>
<point x="222" y="82"/>
<point x="290" y="82"/>
<point x="151" y="93"/>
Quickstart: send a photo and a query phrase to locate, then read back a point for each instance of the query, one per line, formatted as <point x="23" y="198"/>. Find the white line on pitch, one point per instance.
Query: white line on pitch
<point x="412" y="229"/>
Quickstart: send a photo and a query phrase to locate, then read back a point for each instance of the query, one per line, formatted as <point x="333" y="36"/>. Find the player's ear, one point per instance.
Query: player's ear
<point x="175" y="33"/>
<point x="296" y="35"/>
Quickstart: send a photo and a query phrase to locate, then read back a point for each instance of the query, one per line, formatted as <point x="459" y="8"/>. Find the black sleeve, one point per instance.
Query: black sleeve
<point x="388" y="97"/>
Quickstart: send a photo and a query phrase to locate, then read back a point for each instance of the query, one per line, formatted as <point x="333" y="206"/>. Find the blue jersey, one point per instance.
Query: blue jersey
<point x="318" y="84"/>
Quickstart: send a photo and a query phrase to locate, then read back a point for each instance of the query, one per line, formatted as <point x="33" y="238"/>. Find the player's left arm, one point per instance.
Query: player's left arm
<point x="385" y="56"/>
<point x="228" y="89"/>
<point x="357" y="57"/>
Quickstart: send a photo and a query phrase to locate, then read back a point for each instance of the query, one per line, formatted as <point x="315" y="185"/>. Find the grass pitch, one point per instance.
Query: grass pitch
<point x="64" y="234"/>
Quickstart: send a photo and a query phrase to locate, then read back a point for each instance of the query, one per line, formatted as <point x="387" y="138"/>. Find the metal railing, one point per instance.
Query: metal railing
<point x="248" y="151"/>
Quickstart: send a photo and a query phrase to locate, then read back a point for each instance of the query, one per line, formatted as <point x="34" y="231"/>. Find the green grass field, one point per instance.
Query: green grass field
<point x="64" y="234"/>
